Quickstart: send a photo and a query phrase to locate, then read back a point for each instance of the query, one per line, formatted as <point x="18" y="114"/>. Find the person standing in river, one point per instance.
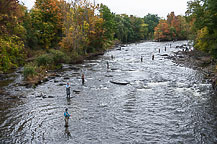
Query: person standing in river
<point x="67" y="90"/>
<point x="112" y="56"/>
<point x="82" y="79"/>
<point x="107" y="65"/>
<point x="67" y="115"/>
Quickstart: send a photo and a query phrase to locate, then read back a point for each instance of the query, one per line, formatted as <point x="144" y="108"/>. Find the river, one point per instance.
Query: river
<point x="162" y="103"/>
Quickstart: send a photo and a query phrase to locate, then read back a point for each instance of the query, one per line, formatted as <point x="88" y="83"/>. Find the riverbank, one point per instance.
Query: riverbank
<point x="198" y="60"/>
<point x="37" y="75"/>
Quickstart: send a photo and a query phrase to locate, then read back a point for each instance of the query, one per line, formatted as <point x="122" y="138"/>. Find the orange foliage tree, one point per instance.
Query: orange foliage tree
<point x="83" y="29"/>
<point x="174" y="28"/>
<point x="162" y="31"/>
<point x="47" y="21"/>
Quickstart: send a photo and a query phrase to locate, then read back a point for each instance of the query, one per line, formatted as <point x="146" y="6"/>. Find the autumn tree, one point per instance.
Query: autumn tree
<point x="83" y="29"/>
<point x="174" y="28"/>
<point x="202" y="16"/>
<point x="47" y="21"/>
<point x="162" y="31"/>
<point x="12" y="35"/>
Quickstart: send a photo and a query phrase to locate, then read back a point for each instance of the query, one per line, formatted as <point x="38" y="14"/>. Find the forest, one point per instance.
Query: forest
<point x="55" y="31"/>
<point x="199" y="24"/>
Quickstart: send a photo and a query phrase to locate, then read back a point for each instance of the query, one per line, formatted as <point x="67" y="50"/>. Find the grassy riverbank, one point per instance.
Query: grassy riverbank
<point x="44" y="65"/>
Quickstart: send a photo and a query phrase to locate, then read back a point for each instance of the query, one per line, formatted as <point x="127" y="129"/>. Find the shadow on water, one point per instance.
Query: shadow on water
<point x="158" y="102"/>
<point x="68" y="100"/>
<point x="67" y="133"/>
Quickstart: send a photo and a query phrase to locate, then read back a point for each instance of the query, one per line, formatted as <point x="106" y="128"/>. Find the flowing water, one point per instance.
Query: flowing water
<point x="162" y="103"/>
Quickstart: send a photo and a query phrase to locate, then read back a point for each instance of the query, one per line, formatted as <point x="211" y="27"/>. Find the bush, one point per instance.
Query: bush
<point x="44" y="60"/>
<point x="58" y="56"/>
<point x="53" y="58"/>
<point x="29" y="70"/>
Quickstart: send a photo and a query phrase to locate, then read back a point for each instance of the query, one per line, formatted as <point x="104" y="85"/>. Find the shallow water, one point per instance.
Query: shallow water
<point x="163" y="103"/>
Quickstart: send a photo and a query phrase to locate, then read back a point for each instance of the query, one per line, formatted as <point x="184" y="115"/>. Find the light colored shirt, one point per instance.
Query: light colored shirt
<point x="67" y="86"/>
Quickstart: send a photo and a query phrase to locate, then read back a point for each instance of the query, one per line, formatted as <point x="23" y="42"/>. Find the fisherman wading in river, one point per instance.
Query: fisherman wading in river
<point x="66" y="114"/>
<point x="67" y="90"/>
<point x="82" y="79"/>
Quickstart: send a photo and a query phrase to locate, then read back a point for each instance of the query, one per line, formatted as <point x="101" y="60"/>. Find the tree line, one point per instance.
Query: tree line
<point x="202" y="18"/>
<point x="56" y="31"/>
<point x="199" y="24"/>
<point x="173" y="28"/>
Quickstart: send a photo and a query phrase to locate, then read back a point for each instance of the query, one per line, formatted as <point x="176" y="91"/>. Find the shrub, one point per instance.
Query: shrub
<point x="58" y="56"/>
<point x="29" y="70"/>
<point x="44" y="60"/>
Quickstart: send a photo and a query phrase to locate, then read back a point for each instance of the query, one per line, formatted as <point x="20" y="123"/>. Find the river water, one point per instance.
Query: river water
<point x="163" y="103"/>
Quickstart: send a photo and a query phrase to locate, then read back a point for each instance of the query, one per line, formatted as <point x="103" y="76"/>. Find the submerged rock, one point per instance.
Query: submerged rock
<point x="181" y="56"/>
<point x="108" y="75"/>
<point x="50" y="96"/>
<point x="74" y="68"/>
<point x="12" y="97"/>
<point x="51" y="77"/>
<point x="76" y="91"/>
<point x="118" y="48"/>
<point x="62" y="84"/>
<point x="164" y="55"/>
<point x="113" y="69"/>
<point x="120" y="82"/>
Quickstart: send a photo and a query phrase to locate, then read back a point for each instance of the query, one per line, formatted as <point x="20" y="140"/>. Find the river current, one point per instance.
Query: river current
<point x="161" y="103"/>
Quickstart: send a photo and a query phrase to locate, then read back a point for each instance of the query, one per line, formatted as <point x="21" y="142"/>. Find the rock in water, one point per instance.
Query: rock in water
<point x="164" y="55"/>
<point x="120" y="82"/>
<point x="50" y="96"/>
<point x="76" y="91"/>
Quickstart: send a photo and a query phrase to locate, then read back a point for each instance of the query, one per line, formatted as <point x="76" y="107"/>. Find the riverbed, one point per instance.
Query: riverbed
<point x="124" y="101"/>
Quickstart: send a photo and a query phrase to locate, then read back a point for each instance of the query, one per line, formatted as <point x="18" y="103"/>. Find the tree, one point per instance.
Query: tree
<point x="12" y="35"/>
<point x="175" y="27"/>
<point x="47" y="21"/>
<point x="152" y="21"/>
<point x="162" y="31"/>
<point x="130" y="29"/>
<point x="202" y="15"/>
<point x="83" y="29"/>
<point x="108" y="23"/>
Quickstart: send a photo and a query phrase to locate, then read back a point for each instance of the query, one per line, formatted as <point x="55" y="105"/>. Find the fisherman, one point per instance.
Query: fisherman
<point x="152" y="57"/>
<point x="165" y="48"/>
<point x="107" y="65"/>
<point x="112" y="56"/>
<point x="141" y="58"/>
<point x="170" y="45"/>
<point x="67" y="90"/>
<point x="159" y="50"/>
<point x="66" y="114"/>
<point x="82" y="78"/>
